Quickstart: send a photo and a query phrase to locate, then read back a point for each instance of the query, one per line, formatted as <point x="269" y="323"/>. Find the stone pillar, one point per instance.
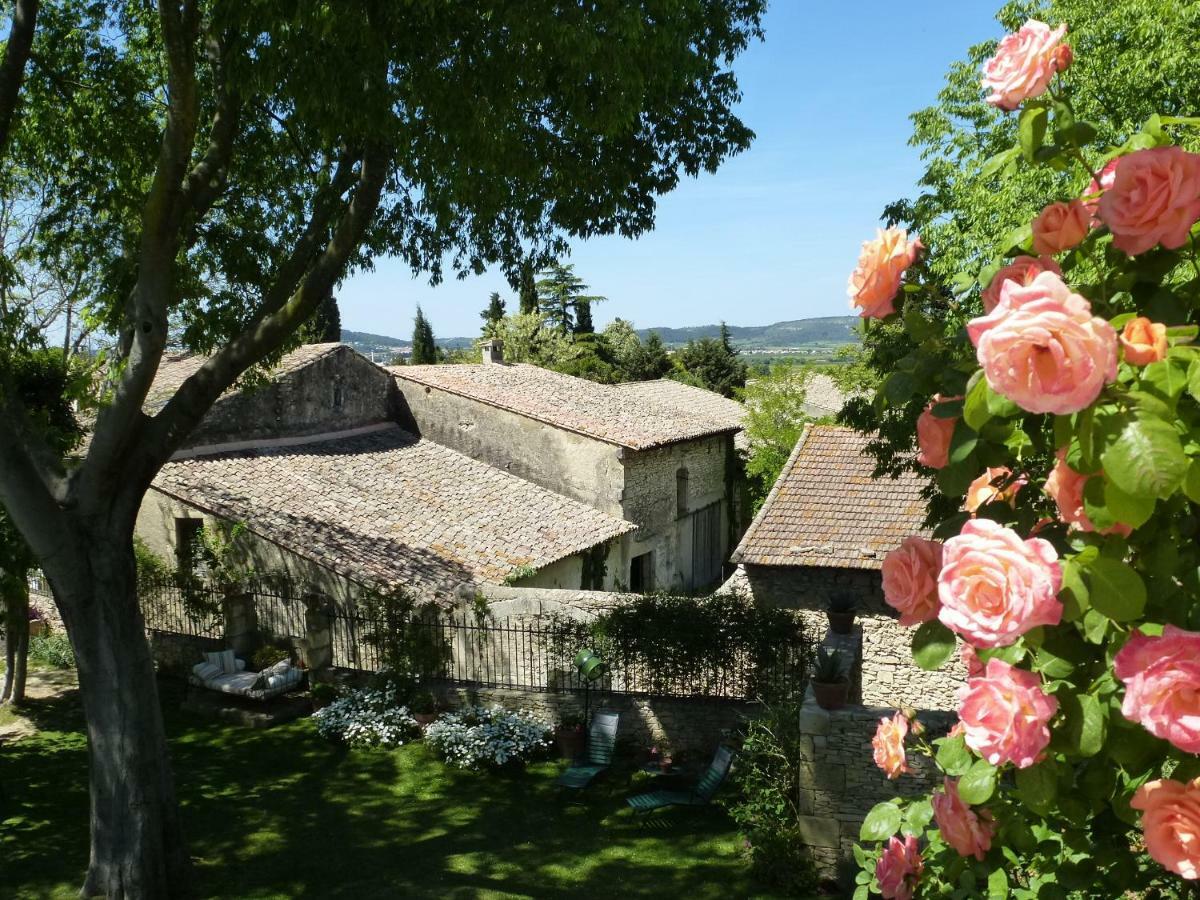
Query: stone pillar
<point x="317" y="646"/>
<point x="241" y="623"/>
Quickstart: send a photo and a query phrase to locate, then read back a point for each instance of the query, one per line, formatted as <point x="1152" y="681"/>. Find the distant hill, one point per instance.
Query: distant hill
<point x="366" y="343"/>
<point x="796" y="333"/>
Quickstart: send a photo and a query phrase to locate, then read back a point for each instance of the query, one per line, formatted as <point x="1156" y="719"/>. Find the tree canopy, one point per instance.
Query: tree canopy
<point x="424" y="348"/>
<point x="713" y="364"/>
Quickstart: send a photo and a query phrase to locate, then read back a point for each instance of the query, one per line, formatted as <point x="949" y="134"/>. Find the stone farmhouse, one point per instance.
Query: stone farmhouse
<point x="824" y="529"/>
<point x="447" y="478"/>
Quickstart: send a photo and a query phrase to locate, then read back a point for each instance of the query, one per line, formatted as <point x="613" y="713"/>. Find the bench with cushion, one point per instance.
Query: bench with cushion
<point x="223" y="672"/>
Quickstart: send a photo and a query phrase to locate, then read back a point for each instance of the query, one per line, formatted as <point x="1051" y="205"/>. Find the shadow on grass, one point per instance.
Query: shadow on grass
<point x="282" y="813"/>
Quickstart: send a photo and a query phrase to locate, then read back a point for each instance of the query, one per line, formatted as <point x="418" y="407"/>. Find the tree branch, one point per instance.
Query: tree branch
<point x="208" y="177"/>
<point x="27" y="497"/>
<point x="284" y="308"/>
<point x="12" y="67"/>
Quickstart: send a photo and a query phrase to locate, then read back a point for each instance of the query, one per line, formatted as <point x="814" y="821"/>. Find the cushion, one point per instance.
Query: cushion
<point x="279" y="668"/>
<point x="206" y="671"/>
<point x="223" y="660"/>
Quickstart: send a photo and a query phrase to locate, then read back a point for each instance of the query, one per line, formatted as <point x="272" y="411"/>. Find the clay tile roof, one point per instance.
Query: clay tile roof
<point x="173" y="371"/>
<point x="827" y="510"/>
<point x="385" y="507"/>
<point x="606" y="412"/>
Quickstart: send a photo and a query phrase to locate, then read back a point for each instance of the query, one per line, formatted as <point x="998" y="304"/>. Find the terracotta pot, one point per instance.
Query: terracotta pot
<point x="831" y="696"/>
<point x="841" y="622"/>
<point x="570" y="742"/>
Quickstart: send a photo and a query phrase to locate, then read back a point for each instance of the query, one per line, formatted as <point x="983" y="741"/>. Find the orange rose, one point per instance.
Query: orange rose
<point x="1143" y="341"/>
<point x="1171" y="823"/>
<point x="1060" y="227"/>
<point x="984" y="490"/>
<point x="875" y="281"/>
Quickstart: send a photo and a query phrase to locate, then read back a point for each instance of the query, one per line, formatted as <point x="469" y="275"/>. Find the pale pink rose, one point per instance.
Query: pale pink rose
<point x="1098" y="185"/>
<point x="888" y="744"/>
<point x="970" y="660"/>
<point x="1042" y="348"/>
<point x="875" y="281"/>
<point x="899" y="869"/>
<point x="1024" y="64"/>
<point x="1065" y="486"/>
<point x="1162" y="685"/>
<point x="994" y="586"/>
<point x="969" y="832"/>
<point x="1006" y="714"/>
<point x="910" y="574"/>
<point x="1154" y="199"/>
<point x="993" y="486"/>
<point x="1061" y="227"/>
<point x="933" y="435"/>
<point x="1143" y="341"/>
<point x="1171" y="824"/>
<point x="1022" y="270"/>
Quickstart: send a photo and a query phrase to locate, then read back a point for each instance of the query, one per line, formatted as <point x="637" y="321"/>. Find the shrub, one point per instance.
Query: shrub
<point x="488" y="737"/>
<point x="53" y="650"/>
<point x="366" y="719"/>
<point x="265" y="657"/>
<point x="768" y="778"/>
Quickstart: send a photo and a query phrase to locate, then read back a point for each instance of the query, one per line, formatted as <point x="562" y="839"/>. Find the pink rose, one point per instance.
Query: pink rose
<point x="1042" y="348"/>
<point x="888" y="744"/>
<point x="899" y="869"/>
<point x="1162" y="685"/>
<point x="910" y="574"/>
<point x="875" y="281"/>
<point x="1171" y="824"/>
<point x="1065" y="486"/>
<point x="967" y="831"/>
<point x="1006" y="714"/>
<point x="1098" y="185"/>
<point x="993" y="486"/>
<point x="1154" y="199"/>
<point x="933" y="435"/>
<point x="1061" y="227"/>
<point x="1143" y="341"/>
<point x="970" y="660"/>
<point x="994" y="586"/>
<point x="1022" y="270"/>
<point x="1024" y="64"/>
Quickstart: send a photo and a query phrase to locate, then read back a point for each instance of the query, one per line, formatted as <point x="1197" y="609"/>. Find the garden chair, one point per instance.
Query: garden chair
<point x="602" y="738"/>
<point x="700" y="794"/>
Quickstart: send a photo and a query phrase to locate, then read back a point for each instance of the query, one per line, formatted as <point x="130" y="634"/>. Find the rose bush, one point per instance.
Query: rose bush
<point x="1072" y="361"/>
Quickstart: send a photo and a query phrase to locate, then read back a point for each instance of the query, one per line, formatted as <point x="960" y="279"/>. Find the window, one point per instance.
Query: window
<point x="681" y="493"/>
<point x="641" y="573"/>
<point x="188" y="546"/>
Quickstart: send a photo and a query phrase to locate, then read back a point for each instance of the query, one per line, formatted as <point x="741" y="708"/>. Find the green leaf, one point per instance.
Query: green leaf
<point x="1086" y="722"/>
<point x="962" y="442"/>
<point x="1074" y="594"/>
<point x="917" y="816"/>
<point x="1020" y="238"/>
<point x="1031" y="130"/>
<point x="1061" y="652"/>
<point x="932" y="644"/>
<point x="975" y="404"/>
<point x="953" y="757"/>
<point x="1193" y="379"/>
<point x="997" y="162"/>
<point x="862" y="892"/>
<point x="997" y="885"/>
<point x="1115" y="589"/>
<point x="881" y="822"/>
<point x="1166" y="379"/>
<point x="978" y="784"/>
<point x="1146" y="460"/>
<point x="1126" y="508"/>
<point x="1037" y="786"/>
<point x="899" y="388"/>
<point x="1191" y="481"/>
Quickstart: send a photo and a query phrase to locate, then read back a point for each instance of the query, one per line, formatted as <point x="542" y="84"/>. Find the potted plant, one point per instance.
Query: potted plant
<point x="569" y="736"/>
<point x="842" y="608"/>
<point x="322" y="694"/>
<point x="423" y="707"/>
<point x="830" y="683"/>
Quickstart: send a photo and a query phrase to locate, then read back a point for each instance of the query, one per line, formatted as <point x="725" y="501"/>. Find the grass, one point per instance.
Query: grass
<point x="282" y="813"/>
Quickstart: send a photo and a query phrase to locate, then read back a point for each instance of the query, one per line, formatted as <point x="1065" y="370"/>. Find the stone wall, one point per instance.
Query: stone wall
<point x="843" y="783"/>
<point x="886" y="674"/>
<point x="338" y="391"/>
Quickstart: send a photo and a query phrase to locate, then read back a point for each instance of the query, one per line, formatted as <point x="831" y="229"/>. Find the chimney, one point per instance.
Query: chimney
<point x="493" y="351"/>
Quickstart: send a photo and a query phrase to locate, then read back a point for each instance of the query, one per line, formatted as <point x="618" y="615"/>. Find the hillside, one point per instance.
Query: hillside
<point x="794" y="333"/>
<point x="366" y="343"/>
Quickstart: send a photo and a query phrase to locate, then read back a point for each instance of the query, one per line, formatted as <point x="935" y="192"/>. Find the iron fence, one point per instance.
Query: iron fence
<point x="182" y="606"/>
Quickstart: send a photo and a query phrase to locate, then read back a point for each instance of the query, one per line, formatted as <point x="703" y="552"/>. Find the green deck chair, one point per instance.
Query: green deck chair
<point x="602" y="738"/>
<point x="700" y="794"/>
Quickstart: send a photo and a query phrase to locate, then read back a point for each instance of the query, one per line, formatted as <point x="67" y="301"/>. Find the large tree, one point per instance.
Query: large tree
<point x="424" y="348"/>
<point x="194" y="170"/>
<point x="563" y="302"/>
<point x="713" y="364"/>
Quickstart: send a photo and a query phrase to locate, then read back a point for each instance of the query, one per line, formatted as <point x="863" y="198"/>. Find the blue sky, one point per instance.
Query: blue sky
<point x="774" y="233"/>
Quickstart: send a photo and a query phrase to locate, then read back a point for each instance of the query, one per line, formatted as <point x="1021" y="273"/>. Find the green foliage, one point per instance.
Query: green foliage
<point x="769" y="777"/>
<point x="150" y="566"/>
<point x="325" y="326"/>
<point x="492" y="314"/>
<point x="424" y="350"/>
<point x="775" y="419"/>
<point x="410" y="646"/>
<point x="713" y="364"/>
<point x="829" y="668"/>
<point x="51" y="650"/>
<point x="267" y="656"/>
<point x="564" y="305"/>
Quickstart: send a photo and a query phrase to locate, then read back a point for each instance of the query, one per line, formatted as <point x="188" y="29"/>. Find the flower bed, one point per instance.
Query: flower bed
<point x="488" y="737"/>
<point x="366" y="718"/>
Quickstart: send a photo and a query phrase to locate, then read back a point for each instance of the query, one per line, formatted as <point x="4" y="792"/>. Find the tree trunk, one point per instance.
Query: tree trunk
<point x="137" y="846"/>
<point x="16" y="645"/>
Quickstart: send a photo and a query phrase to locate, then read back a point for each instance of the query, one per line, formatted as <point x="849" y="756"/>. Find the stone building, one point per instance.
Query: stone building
<point x="824" y="529"/>
<point x="442" y="478"/>
<point x="650" y="456"/>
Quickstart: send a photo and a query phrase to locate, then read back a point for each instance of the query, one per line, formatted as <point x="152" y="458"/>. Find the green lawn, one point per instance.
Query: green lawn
<point x="282" y="813"/>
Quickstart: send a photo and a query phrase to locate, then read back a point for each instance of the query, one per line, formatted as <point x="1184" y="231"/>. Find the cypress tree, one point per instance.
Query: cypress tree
<point x="424" y="351"/>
